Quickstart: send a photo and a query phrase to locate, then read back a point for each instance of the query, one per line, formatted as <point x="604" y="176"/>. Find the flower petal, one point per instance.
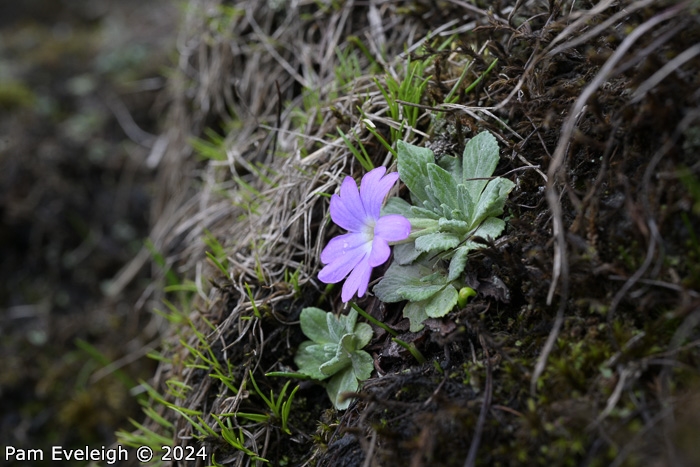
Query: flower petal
<point x="341" y="266"/>
<point x="392" y="228"/>
<point x="339" y="246"/>
<point x="374" y="188"/>
<point x="347" y="210"/>
<point x="357" y="281"/>
<point x="380" y="252"/>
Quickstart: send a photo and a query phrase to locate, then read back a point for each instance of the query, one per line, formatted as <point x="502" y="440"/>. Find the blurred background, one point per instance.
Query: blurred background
<point x="80" y="101"/>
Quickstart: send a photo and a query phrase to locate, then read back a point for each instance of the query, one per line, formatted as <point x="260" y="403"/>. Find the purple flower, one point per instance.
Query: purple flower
<point x="366" y="245"/>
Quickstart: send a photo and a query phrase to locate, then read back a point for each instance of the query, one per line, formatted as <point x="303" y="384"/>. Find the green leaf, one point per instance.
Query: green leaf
<point x="452" y="164"/>
<point x="431" y="202"/>
<point x="417" y="293"/>
<point x="438" y="241"/>
<point x="436" y="306"/>
<point x="492" y="200"/>
<point x="446" y="211"/>
<point x="479" y="160"/>
<point x="336" y="327"/>
<point x="412" y="166"/>
<point x="387" y="288"/>
<point x="315" y="326"/>
<point x="415" y="312"/>
<point x="396" y="205"/>
<point x="458" y="215"/>
<point x="405" y="253"/>
<point x="437" y="278"/>
<point x="348" y="344"/>
<point x="458" y="262"/>
<point x="349" y="321"/>
<point x="465" y="203"/>
<point x="341" y="358"/>
<point x="417" y="211"/>
<point x="345" y="381"/>
<point x="363" y="333"/>
<point x="442" y="302"/>
<point x="443" y="186"/>
<point x="397" y="277"/>
<point x="362" y="364"/>
<point x="490" y="228"/>
<point x="310" y="357"/>
<point x="455" y="226"/>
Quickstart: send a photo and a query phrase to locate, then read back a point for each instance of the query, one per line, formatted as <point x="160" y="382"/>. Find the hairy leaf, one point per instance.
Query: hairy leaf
<point x="454" y="200"/>
<point x="452" y="164"/>
<point x="363" y="333"/>
<point x="396" y="205"/>
<point x="443" y="186"/>
<point x="479" y="160"/>
<point x="362" y="364"/>
<point x="405" y="253"/>
<point x="315" y="326"/>
<point x="492" y="200"/>
<point x="336" y="326"/>
<point x="310" y="357"/>
<point x="490" y="228"/>
<point x="337" y="355"/>
<point x="412" y="166"/>
<point x="338" y="362"/>
<point x="438" y="241"/>
<point x="394" y="277"/>
<point x="401" y="282"/>
<point x="415" y="312"/>
<point x="349" y="321"/>
<point x="458" y="262"/>
<point x="442" y="302"/>
<point x="418" y="212"/>
<point x="466" y="203"/>
<point x="344" y="381"/>
<point x="455" y="226"/>
<point x="418" y="292"/>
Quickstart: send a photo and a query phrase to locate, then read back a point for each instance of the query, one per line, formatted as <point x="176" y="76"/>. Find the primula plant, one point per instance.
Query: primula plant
<point x="454" y="200"/>
<point x="334" y="352"/>
<point x="366" y="245"/>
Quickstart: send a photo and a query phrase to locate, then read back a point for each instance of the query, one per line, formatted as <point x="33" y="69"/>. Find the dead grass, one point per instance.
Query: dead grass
<point x="595" y="107"/>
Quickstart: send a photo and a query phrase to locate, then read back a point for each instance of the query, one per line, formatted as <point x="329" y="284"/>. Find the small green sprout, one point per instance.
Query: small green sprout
<point x="334" y="353"/>
<point x="465" y="293"/>
<point x="279" y="406"/>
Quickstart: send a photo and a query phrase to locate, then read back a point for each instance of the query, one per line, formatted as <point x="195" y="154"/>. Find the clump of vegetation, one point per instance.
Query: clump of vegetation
<point x="334" y="352"/>
<point x="452" y="208"/>
<point x="581" y="338"/>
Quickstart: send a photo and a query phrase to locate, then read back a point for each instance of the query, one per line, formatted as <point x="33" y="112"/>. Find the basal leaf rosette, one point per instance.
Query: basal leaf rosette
<point x="453" y="201"/>
<point x="334" y="353"/>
